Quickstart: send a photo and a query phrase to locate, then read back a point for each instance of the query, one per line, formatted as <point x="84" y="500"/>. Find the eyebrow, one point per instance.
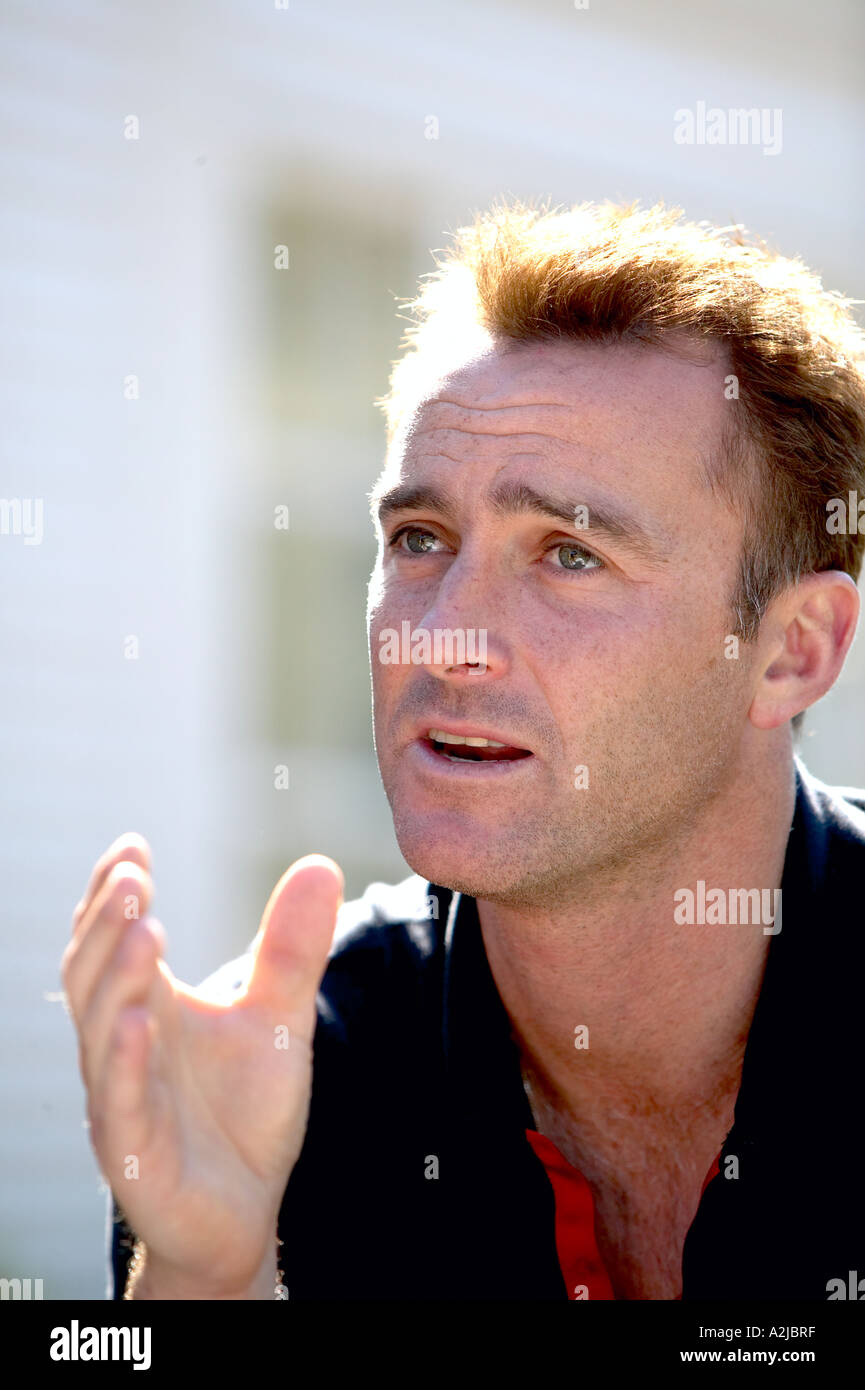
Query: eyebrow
<point x="605" y="517"/>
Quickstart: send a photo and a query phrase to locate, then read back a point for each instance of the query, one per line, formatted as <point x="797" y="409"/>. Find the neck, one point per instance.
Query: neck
<point x="667" y="1007"/>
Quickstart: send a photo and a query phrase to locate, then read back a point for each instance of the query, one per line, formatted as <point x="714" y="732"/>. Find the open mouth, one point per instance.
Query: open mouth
<point x="471" y="749"/>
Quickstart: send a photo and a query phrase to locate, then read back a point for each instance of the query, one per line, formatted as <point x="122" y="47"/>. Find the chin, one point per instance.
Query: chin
<point x="456" y="861"/>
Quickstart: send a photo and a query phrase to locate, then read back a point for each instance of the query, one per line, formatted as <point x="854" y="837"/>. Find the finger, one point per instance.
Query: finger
<point x="131" y="977"/>
<point x="122" y="1118"/>
<point x="130" y="847"/>
<point x="295" y="936"/>
<point x="123" y="898"/>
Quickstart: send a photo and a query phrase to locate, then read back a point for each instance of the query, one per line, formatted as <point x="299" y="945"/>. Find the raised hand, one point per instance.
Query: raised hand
<point x="197" y="1107"/>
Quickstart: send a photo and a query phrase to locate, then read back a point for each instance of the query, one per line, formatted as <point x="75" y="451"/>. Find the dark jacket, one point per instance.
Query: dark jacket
<point x="416" y="1180"/>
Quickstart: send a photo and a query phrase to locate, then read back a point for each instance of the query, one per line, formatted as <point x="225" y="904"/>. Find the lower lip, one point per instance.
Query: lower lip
<point x="491" y="770"/>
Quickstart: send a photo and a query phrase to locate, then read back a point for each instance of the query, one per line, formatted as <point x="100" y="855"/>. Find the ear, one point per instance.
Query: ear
<point x="808" y="630"/>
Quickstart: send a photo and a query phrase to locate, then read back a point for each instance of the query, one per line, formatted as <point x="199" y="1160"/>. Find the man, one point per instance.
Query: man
<point x="603" y="1043"/>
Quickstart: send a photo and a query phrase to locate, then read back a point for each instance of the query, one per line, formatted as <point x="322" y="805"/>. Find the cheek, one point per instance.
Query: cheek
<point x="374" y="596"/>
<point x="596" y="662"/>
<point x="385" y="612"/>
<point x="582" y="645"/>
<point x="390" y="601"/>
<point x="387" y="675"/>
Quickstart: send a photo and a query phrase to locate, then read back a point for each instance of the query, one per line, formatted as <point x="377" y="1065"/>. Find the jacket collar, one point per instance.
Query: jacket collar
<point x="482" y="1060"/>
<point x="788" y="1067"/>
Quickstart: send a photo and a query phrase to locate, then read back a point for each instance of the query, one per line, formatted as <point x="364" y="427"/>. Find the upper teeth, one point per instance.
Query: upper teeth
<point x="439" y="736"/>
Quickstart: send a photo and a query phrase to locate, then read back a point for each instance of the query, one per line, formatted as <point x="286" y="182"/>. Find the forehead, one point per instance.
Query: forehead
<point x="581" y="395"/>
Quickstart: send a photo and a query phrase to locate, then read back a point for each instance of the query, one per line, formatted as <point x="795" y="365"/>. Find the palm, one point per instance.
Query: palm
<point x="227" y="1112"/>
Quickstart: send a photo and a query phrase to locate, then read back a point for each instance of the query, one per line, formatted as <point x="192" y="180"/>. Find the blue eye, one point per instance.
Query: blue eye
<point x="413" y="533"/>
<point x="578" y="558"/>
<point x="573" y="558"/>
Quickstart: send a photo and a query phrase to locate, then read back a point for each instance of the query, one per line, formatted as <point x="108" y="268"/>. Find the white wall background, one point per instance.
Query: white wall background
<point x="154" y="257"/>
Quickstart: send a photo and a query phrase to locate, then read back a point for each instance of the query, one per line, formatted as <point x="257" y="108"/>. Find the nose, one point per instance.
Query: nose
<point x="458" y="641"/>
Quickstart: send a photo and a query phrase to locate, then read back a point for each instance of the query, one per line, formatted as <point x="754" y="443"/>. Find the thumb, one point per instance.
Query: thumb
<point x="295" y="935"/>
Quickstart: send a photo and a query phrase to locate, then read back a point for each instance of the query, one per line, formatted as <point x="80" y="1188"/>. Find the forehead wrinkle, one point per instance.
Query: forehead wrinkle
<point x="587" y="452"/>
<point x="511" y="405"/>
<point x="490" y="434"/>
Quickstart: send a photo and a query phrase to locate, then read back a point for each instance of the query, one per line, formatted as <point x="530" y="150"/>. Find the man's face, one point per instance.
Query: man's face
<point x="604" y="626"/>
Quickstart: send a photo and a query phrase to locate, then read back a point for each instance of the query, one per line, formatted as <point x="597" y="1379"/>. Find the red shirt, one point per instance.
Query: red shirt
<point x="579" y="1257"/>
